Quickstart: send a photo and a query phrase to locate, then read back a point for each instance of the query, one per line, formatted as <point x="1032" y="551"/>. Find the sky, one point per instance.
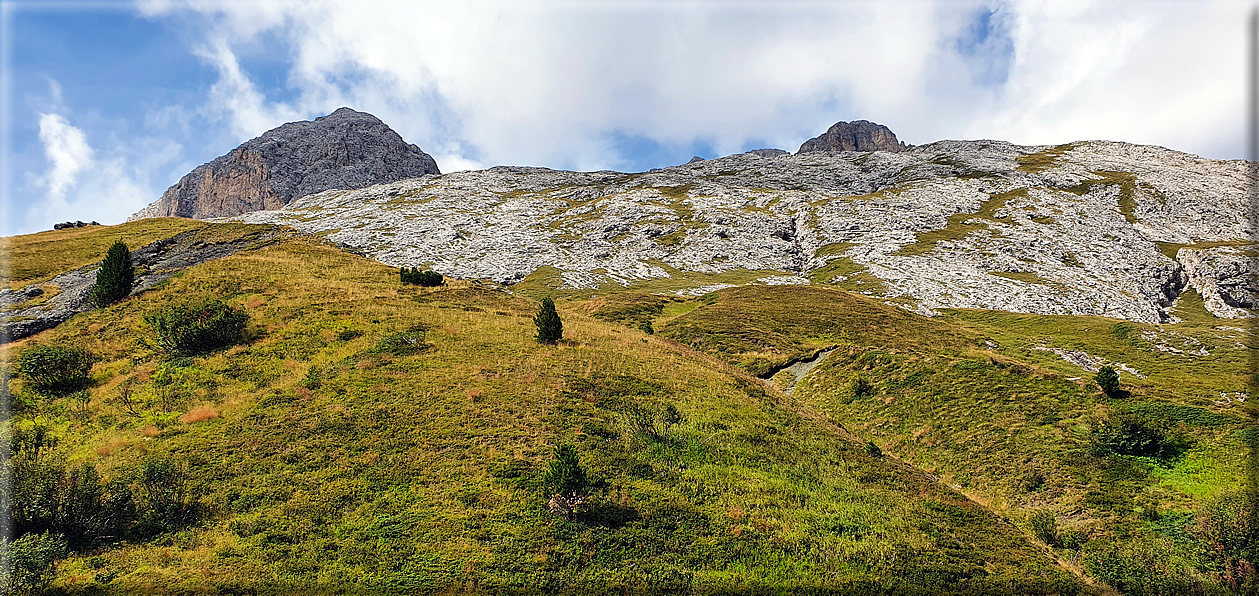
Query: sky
<point x="106" y="104"/>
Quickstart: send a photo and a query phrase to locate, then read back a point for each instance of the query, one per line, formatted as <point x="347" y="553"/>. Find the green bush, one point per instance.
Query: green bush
<point x="566" y="476"/>
<point x="56" y="369"/>
<point x="26" y="564"/>
<point x="403" y="343"/>
<point x="860" y="388"/>
<point x="873" y="449"/>
<point x="550" y="328"/>
<point x="115" y="277"/>
<point x="1108" y="380"/>
<point x="1132" y="434"/>
<point x="421" y="278"/>
<point x="197" y="326"/>
<point x="1045" y="526"/>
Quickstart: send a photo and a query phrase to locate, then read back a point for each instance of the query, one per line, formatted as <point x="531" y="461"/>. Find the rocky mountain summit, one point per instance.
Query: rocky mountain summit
<point x="860" y="135"/>
<point x="1092" y="228"/>
<point x="343" y="150"/>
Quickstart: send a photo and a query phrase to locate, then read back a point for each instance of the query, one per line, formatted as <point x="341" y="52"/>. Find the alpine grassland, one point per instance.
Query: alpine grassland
<point x="1123" y="487"/>
<point x="361" y="435"/>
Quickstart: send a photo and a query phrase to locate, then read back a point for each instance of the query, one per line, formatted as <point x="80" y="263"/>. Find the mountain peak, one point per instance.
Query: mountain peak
<point x="858" y="135"/>
<point x="346" y="149"/>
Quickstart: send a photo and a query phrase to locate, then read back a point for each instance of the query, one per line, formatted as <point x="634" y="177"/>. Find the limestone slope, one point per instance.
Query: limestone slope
<point x="1093" y="228"/>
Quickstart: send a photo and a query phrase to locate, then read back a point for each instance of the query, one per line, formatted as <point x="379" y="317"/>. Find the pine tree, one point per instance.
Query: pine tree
<point x="1108" y="380"/>
<point x="115" y="277"/>
<point x="550" y="328"/>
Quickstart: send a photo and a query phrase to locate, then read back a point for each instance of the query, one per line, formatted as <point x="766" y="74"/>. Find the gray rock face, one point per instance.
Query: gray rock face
<point x="768" y="152"/>
<point x="343" y="150"/>
<point x="1072" y="229"/>
<point x="860" y="135"/>
<point x="1224" y="276"/>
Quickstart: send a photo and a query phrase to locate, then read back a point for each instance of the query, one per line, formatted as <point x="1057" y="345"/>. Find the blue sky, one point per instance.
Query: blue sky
<point x="106" y="104"/>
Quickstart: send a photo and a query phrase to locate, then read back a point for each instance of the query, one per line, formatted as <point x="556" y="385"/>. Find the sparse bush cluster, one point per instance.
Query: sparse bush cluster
<point x="1045" y="526"/>
<point x="77" y="503"/>
<point x="197" y="326"/>
<point x="652" y="422"/>
<point x="57" y="508"/>
<point x="428" y="279"/>
<point x="1133" y="434"/>
<point x="56" y="369"/>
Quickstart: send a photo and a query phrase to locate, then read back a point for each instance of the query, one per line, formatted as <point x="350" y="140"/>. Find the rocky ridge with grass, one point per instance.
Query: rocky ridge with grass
<point x="345" y="149"/>
<point x="34" y="308"/>
<point x="1087" y="228"/>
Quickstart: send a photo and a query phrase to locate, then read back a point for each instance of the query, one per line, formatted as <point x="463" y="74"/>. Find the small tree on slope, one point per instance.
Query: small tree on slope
<point x="115" y="277"/>
<point x="566" y="481"/>
<point x="550" y="328"/>
<point x="1108" y="380"/>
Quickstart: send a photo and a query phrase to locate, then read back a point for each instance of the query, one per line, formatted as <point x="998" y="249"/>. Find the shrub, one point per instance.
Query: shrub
<point x="1133" y="434"/>
<point x="167" y="504"/>
<point x="56" y="369"/>
<point x="26" y="564"/>
<point x="403" y="343"/>
<point x="197" y="326"/>
<point x="550" y="328"/>
<point x="1045" y="526"/>
<point x="860" y="388"/>
<point x="421" y="278"/>
<point x="1225" y="527"/>
<point x="566" y="482"/>
<point x="647" y="328"/>
<point x="115" y="277"/>
<point x="1108" y="380"/>
<point x="873" y="449"/>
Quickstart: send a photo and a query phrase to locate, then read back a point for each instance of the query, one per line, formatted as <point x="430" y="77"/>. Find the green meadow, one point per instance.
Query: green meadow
<point x="367" y="436"/>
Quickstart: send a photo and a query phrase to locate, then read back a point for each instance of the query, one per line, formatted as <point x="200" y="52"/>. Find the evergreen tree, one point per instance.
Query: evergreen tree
<point x="115" y="277"/>
<point x="550" y="328"/>
<point x="1108" y="380"/>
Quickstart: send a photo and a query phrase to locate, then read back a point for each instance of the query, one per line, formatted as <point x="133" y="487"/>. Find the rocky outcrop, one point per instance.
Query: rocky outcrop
<point x="953" y="224"/>
<point x="860" y="135"/>
<point x="343" y="150"/>
<point x="1225" y="277"/>
<point x="768" y="152"/>
<point x="29" y="310"/>
<point x="65" y="225"/>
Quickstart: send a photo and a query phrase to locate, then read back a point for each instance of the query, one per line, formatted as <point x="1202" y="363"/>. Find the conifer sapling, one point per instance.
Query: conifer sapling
<point x="115" y="277"/>
<point x="550" y="328"/>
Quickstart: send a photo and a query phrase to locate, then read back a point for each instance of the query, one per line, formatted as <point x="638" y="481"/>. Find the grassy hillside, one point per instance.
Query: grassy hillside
<point x="326" y="454"/>
<point x="35" y="258"/>
<point x="980" y="399"/>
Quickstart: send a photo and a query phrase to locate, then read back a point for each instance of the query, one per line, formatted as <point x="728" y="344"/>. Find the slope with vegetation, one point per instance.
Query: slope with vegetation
<point x="1142" y="488"/>
<point x="359" y="434"/>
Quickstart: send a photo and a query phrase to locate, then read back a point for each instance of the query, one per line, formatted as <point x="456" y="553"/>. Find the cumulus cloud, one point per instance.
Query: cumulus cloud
<point x="83" y="184"/>
<point x="235" y="98"/>
<point x="67" y="151"/>
<point x="562" y="84"/>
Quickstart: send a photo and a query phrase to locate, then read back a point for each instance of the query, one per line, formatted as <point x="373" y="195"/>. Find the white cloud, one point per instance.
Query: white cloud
<point x="79" y="184"/>
<point x="555" y="83"/>
<point x="234" y="96"/>
<point x="67" y="151"/>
